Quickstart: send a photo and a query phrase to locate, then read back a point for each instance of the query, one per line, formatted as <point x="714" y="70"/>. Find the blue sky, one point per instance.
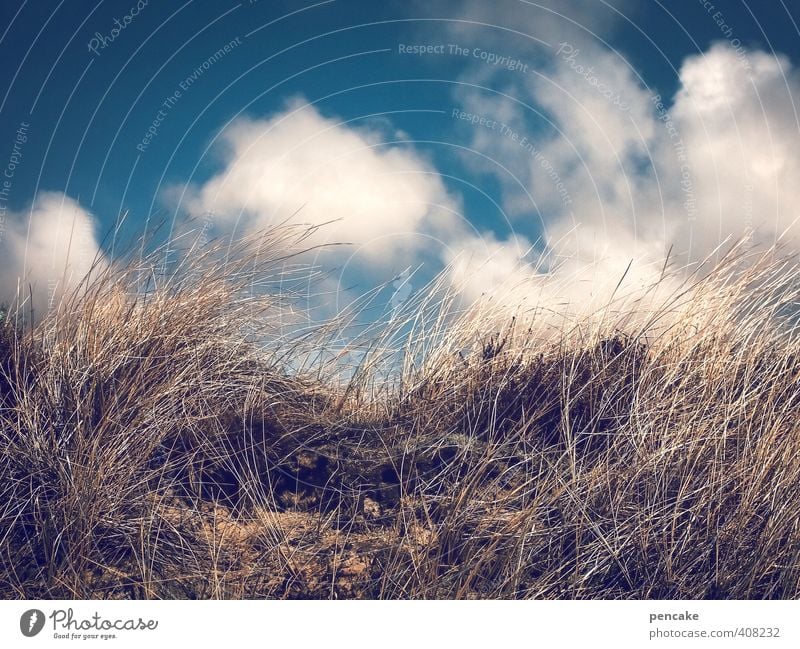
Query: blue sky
<point x="127" y="107"/>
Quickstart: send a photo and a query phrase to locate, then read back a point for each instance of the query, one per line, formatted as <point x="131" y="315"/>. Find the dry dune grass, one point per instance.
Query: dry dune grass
<point x="167" y="439"/>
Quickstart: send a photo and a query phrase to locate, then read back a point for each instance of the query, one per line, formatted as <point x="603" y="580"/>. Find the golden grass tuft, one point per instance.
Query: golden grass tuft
<point x="168" y="437"/>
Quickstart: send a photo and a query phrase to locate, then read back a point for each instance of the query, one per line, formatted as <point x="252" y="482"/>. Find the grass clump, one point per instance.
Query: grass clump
<point x="169" y="439"/>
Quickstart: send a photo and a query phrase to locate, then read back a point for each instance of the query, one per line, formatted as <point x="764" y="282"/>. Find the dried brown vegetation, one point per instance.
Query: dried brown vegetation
<point x="171" y="442"/>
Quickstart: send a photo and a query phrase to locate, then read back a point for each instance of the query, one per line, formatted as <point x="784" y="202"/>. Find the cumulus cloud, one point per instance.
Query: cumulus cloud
<point x="610" y="175"/>
<point x="714" y="164"/>
<point x="377" y="196"/>
<point x="481" y="265"/>
<point x="385" y="199"/>
<point x="46" y="251"/>
<point x="616" y="174"/>
<point x="739" y="119"/>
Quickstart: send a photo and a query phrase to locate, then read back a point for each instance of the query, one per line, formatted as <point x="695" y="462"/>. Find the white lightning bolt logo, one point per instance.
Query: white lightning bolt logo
<point x="32" y="621"/>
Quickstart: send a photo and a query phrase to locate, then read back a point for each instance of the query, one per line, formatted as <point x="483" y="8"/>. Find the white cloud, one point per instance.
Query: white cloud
<point x="721" y="160"/>
<point x="385" y="199"/>
<point x="741" y="128"/>
<point x="46" y="251"/>
<point x="611" y="180"/>
<point x="373" y="195"/>
<point x="481" y="265"/>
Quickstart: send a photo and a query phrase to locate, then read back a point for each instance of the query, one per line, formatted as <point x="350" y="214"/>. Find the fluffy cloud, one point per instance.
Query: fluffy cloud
<point x="716" y="163"/>
<point x="617" y="175"/>
<point x="612" y="176"/>
<point x="739" y="120"/>
<point x="481" y="265"/>
<point x="378" y="197"/>
<point x="386" y="200"/>
<point x="45" y="252"/>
